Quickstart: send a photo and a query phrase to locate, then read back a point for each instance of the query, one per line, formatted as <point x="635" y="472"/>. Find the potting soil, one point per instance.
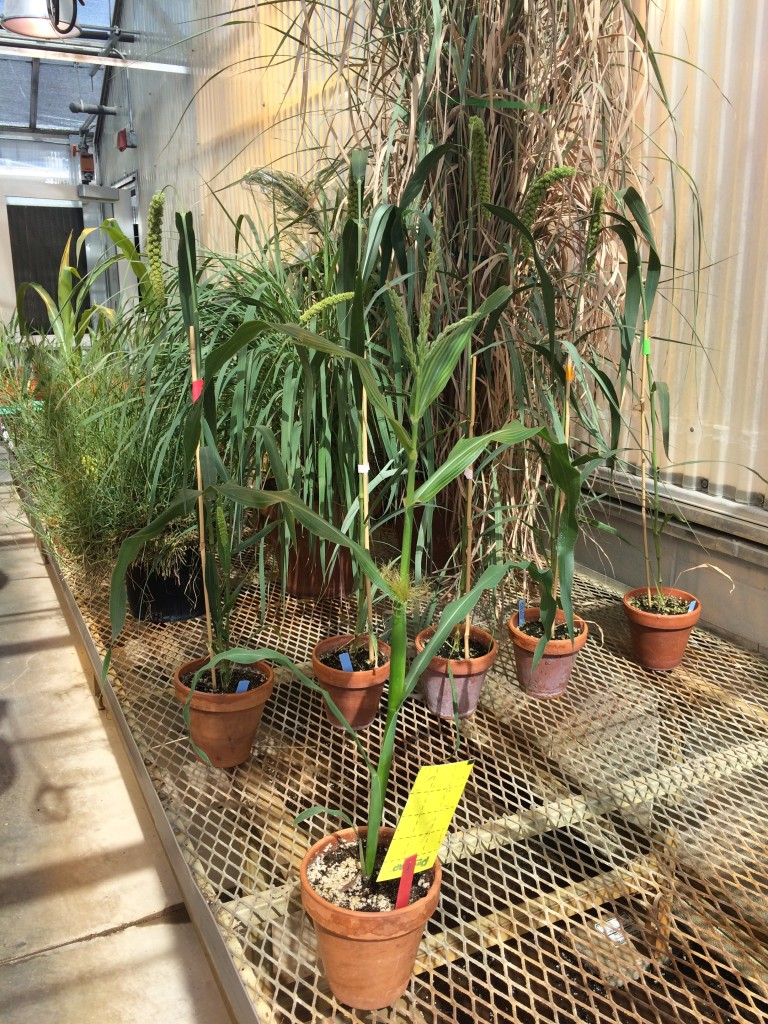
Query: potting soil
<point x="336" y="876"/>
<point x="253" y="676"/>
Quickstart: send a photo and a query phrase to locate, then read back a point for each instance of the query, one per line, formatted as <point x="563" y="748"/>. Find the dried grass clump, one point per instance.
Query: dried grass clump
<point x="556" y="86"/>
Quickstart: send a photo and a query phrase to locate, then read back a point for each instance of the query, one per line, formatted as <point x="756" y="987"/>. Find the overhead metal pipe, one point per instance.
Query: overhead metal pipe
<point x="113" y="32"/>
<point x="79" y="107"/>
<point x="85" y="127"/>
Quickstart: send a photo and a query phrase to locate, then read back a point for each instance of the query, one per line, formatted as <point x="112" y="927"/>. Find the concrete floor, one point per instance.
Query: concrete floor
<point x="92" y="924"/>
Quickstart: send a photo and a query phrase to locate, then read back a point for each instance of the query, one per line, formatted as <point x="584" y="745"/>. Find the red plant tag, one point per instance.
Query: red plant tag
<point x="406" y="882"/>
<point x="197" y="389"/>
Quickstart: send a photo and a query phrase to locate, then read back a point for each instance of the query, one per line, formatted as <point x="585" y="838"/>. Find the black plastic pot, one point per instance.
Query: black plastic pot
<point x="154" y="597"/>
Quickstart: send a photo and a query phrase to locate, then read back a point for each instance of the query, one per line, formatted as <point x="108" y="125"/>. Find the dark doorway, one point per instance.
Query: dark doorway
<point x="38" y="236"/>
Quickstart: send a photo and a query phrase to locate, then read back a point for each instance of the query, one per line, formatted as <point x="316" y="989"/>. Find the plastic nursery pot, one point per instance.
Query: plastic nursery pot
<point x="659" y="641"/>
<point x="468" y="675"/>
<point x="224" y="725"/>
<point x="551" y="675"/>
<point x="355" y="694"/>
<point x="166" y="598"/>
<point x="368" y="957"/>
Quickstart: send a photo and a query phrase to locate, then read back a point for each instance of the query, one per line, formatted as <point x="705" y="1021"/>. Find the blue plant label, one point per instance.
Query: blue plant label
<point x="521" y="612"/>
<point x="346" y="662"/>
<point x="692" y="605"/>
<point x="242" y="686"/>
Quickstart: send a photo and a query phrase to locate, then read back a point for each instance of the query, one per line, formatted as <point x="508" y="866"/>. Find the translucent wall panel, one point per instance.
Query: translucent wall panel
<point x="719" y="411"/>
<point x="38" y="161"/>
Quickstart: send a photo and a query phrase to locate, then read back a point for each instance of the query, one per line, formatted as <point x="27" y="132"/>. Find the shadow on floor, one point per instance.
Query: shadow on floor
<point x="71" y="875"/>
<point x="33" y="646"/>
<point x="7" y="761"/>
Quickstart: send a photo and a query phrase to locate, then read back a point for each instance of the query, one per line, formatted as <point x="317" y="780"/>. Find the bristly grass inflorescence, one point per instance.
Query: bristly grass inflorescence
<point x="478" y="144"/>
<point x="154" y="245"/>
<point x="535" y="196"/>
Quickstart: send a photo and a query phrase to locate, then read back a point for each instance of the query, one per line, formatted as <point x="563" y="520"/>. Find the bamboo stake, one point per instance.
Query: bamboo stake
<point x="470" y="495"/>
<point x="364" y="467"/>
<point x="567" y="432"/>
<point x="366" y="522"/>
<point x="643" y="484"/>
<point x="201" y="516"/>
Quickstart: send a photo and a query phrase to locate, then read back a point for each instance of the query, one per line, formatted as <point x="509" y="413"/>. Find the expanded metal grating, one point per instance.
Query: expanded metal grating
<point x="606" y="864"/>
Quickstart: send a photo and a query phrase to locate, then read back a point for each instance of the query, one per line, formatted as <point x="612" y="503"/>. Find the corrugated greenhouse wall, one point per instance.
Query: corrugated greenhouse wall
<point x="718" y="381"/>
<point x="202" y="138"/>
<point x="164" y="156"/>
<point x="238" y="110"/>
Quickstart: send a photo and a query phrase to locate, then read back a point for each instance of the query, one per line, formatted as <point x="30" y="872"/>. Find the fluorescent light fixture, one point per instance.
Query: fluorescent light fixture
<point x="31" y="18"/>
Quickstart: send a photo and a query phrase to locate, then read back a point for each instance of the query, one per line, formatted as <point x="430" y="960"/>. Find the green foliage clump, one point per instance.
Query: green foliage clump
<point x="78" y="454"/>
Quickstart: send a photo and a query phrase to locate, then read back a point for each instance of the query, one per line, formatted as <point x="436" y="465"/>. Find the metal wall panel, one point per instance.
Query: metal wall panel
<point x="717" y="82"/>
<point x="161" y="107"/>
<point x="237" y="110"/>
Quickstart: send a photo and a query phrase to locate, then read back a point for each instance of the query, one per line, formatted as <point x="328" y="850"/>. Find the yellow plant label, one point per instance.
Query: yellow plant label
<point x="426" y="817"/>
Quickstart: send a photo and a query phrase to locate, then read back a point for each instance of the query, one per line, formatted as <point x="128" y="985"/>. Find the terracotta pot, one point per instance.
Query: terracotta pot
<point x="551" y="675"/>
<point x="355" y="694"/>
<point x="305" y="579"/>
<point x="368" y="957"/>
<point x="659" y="641"/>
<point x="223" y="725"/>
<point x="468" y="675"/>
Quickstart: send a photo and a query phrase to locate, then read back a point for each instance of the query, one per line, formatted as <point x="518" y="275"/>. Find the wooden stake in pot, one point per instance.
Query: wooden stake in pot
<point x="363" y="469"/>
<point x="569" y="375"/>
<point x="470" y="495"/>
<point x="197" y="389"/>
<point x="643" y="480"/>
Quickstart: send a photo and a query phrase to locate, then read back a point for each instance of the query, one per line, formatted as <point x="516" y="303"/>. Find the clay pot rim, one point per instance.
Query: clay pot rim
<point x="554" y="648"/>
<point x="218" y="700"/>
<point x="460" y="666"/>
<point x="344" y="913"/>
<point x="361" y="679"/>
<point x="655" y="620"/>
